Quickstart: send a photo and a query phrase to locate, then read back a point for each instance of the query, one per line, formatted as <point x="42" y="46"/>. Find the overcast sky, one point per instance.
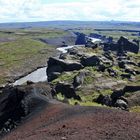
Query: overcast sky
<point x="48" y="10"/>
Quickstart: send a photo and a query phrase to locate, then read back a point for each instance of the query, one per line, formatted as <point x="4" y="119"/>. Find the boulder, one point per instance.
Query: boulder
<point x="72" y="51"/>
<point x="108" y="56"/>
<point x="134" y="100"/>
<point x="121" y="64"/>
<point x="90" y="61"/>
<point x="121" y="104"/>
<point x="117" y="94"/>
<point x="122" y="45"/>
<point x="101" y="68"/>
<point x="112" y="72"/>
<point x="66" y="89"/>
<point x="64" y="65"/>
<point x="126" y="75"/>
<point x="131" y="88"/>
<point x="79" y="79"/>
<point x="130" y="71"/>
<point x="125" y="45"/>
<point x="104" y="100"/>
<point x="59" y="66"/>
<point x="81" y="39"/>
<point x="92" y="45"/>
<point x="63" y="56"/>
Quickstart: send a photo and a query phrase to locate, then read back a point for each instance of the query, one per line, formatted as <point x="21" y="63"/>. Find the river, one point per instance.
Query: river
<point x="40" y="74"/>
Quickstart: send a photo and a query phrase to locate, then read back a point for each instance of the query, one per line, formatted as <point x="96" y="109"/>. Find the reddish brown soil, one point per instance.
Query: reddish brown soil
<point x="63" y="122"/>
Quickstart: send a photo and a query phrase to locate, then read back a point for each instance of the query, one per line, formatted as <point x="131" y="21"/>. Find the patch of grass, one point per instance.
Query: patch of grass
<point x="32" y="33"/>
<point x="90" y="104"/>
<point x="135" y="109"/>
<point x="13" y="53"/>
<point x="88" y="80"/>
<point x="87" y="103"/>
<point x="60" y="97"/>
<point x="65" y="77"/>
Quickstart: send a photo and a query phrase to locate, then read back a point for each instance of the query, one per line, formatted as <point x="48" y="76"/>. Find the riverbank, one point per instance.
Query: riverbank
<point x="22" y="51"/>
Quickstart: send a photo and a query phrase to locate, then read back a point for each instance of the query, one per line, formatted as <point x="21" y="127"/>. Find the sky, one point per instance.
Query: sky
<point x="84" y="10"/>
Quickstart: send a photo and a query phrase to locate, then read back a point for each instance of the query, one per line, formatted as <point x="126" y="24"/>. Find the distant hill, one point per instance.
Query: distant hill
<point x="75" y="24"/>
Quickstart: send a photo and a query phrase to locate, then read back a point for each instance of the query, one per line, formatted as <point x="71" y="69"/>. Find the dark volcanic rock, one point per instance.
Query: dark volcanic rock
<point x="81" y="39"/>
<point x="126" y="75"/>
<point x="122" y="45"/>
<point x="121" y="104"/>
<point x="104" y="100"/>
<point x="90" y="61"/>
<point x="17" y="102"/>
<point x="59" y="65"/>
<point x="79" y="79"/>
<point x="65" y="65"/>
<point x="131" y="88"/>
<point x="117" y="94"/>
<point x="72" y="51"/>
<point x="125" y="45"/>
<point x="67" y="90"/>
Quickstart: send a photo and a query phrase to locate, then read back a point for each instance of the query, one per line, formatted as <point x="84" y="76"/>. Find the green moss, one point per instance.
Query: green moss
<point x="60" y="97"/>
<point x="135" y="109"/>
<point x="88" y="80"/>
<point x="12" y="53"/>
<point x="65" y="77"/>
<point x="87" y="103"/>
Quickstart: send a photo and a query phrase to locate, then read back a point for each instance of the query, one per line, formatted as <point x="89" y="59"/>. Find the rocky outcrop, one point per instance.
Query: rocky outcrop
<point x="85" y="71"/>
<point x="59" y="66"/>
<point x="118" y="99"/>
<point x="90" y="61"/>
<point x="79" y="79"/>
<point x="123" y="45"/>
<point x="113" y="101"/>
<point x="17" y="102"/>
<point x="81" y="39"/>
<point x="65" y="89"/>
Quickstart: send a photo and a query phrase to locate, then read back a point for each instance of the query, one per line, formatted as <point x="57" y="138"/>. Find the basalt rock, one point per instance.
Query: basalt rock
<point x="17" y="102"/>
<point x="125" y="45"/>
<point x="116" y="101"/>
<point x="126" y="75"/>
<point x="131" y="88"/>
<point x="59" y="66"/>
<point x="92" y="45"/>
<point x="121" y="104"/>
<point x="65" y="89"/>
<point x="122" y="45"/>
<point x="90" y="61"/>
<point x="79" y="79"/>
<point x="81" y="39"/>
<point x="104" y="100"/>
<point x="72" y="51"/>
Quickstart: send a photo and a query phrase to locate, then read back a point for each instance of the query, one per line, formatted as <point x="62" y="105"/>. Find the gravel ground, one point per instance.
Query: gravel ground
<point x="63" y="122"/>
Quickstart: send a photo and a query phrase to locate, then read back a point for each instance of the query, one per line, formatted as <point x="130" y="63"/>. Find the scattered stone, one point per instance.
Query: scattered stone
<point x="79" y="79"/>
<point x="121" y="104"/>
<point x="90" y="61"/>
<point x="125" y="45"/>
<point x="67" y="90"/>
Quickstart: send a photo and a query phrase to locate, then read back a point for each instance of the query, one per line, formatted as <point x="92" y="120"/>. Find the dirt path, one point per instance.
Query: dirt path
<point x="63" y="122"/>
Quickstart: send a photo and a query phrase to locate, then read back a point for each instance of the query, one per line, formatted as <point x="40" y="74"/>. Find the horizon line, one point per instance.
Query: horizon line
<point x="69" y="21"/>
